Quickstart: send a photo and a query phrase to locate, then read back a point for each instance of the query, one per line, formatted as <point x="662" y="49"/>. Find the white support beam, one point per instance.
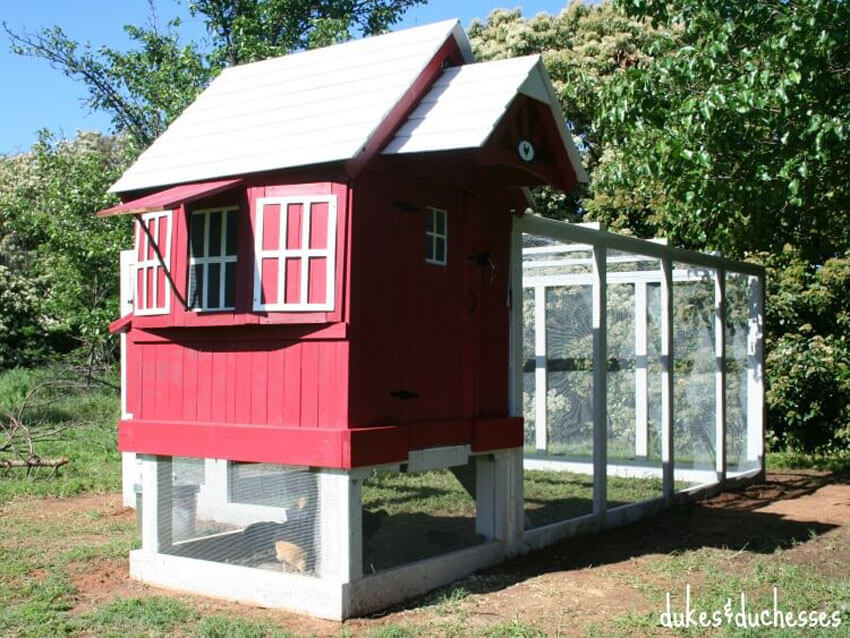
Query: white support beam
<point x="720" y="373"/>
<point x="485" y="496"/>
<point x="577" y="233"/>
<point x="667" y="378"/>
<point x="532" y="280"/>
<point x="340" y="526"/>
<point x="540" y="373"/>
<point x="156" y="502"/>
<point x="498" y="497"/>
<point x="755" y="372"/>
<point x="641" y="378"/>
<point x="600" y="384"/>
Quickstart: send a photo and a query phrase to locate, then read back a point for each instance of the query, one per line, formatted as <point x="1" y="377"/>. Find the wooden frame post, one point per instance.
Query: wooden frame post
<point x="667" y="354"/>
<point x="600" y="383"/>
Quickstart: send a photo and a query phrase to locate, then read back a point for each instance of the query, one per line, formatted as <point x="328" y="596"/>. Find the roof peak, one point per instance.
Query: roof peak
<point x="302" y="56"/>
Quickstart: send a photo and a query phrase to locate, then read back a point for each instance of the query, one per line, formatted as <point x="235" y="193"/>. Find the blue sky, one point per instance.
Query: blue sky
<point x="38" y="96"/>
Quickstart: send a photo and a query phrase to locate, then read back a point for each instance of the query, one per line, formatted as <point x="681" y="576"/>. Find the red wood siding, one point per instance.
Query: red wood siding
<point x="440" y="332"/>
<point x="287" y="383"/>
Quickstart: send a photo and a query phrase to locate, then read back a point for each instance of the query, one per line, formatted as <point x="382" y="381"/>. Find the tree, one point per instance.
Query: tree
<point x="145" y="88"/>
<point x="63" y="289"/>
<point x="735" y="139"/>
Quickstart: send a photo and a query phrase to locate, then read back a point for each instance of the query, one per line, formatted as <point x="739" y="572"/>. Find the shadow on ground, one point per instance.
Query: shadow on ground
<point x="729" y="520"/>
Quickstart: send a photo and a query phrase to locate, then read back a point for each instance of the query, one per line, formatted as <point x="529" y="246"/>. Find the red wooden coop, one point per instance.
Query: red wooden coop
<point x="321" y="281"/>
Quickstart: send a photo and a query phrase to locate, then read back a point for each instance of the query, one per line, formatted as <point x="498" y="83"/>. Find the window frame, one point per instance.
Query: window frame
<point x="303" y="253"/>
<point x="153" y="262"/>
<point x="221" y="259"/>
<point x="431" y="233"/>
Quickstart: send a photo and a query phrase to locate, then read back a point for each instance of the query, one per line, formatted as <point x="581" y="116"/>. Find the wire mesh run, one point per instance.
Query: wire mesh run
<point x="594" y="311"/>
<point x="251" y="514"/>
<point x="410" y="517"/>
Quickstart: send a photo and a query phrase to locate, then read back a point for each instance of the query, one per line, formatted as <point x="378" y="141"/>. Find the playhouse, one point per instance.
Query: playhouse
<point x="334" y="279"/>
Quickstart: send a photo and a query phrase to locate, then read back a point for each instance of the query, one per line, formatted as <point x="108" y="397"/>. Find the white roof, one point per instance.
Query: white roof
<point x="467" y="102"/>
<point x="307" y="108"/>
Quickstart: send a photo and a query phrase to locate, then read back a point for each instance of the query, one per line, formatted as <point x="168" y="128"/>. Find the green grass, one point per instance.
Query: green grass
<point x="838" y="461"/>
<point x="89" y="440"/>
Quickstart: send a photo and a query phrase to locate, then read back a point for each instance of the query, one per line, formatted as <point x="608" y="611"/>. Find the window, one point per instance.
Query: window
<point x="212" y="259"/>
<point x="152" y="296"/>
<point x="294" y="252"/>
<point x="436" y="236"/>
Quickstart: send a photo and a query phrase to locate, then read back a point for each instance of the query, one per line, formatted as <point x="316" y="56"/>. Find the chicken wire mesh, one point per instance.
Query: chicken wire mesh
<point x="251" y="514"/>
<point x="557" y="379"/>
<point x="739" y="456"/>
<point x="694" y="381"/>
<point x="633" y="378"/>
<point x="412" y="516"/>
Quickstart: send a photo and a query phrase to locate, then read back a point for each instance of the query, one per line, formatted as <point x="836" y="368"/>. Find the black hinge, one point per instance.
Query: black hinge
<point x="404" y="395"/>
<point x="407" y="207"/>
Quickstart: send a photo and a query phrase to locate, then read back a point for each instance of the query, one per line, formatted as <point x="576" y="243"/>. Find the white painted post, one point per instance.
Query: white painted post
<point x="486" y="495"/>
<point x="498" y="498"/>
<point x="540" y="373"/>
<point x="340" y="526"/>
<point x="130" y="470"/>
<point x="720" y="373"/>
<point x="667" y="354"/>
<point x="600" y="383"/>
<point x="755" y="373"/>
<point x="641" y="386"/>
<point x="156" y="502"/>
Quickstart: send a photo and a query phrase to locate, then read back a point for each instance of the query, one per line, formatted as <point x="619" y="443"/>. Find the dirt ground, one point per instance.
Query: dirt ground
<point x="574" y="584"/>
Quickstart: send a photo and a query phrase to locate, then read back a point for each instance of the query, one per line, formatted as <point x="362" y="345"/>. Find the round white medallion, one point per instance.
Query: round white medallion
<point x="525" y="149"/>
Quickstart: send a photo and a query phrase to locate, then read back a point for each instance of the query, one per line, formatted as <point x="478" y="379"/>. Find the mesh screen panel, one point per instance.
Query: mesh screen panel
<point x="557" y="297"/>
<point x="693" y="375"/>
<point x="252" y="514"/>
<point x="622" y="394"/>
<point x="633" y="378"/>
<point x="737" y="375"/>
<point x="569" y="366"/>
<point x="409" y="517"/>
<point x="653" y="370"/>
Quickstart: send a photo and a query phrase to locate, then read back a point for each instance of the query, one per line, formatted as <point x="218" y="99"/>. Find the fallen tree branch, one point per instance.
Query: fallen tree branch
<point x="34" y="462"/>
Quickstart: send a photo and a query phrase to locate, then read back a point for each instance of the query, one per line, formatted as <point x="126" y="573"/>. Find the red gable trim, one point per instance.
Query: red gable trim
<point x="163" y="200"/>
<point x="450" y="52"/>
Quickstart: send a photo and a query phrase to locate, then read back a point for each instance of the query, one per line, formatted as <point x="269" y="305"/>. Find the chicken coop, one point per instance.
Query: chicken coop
<point x="356" y="368"/>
